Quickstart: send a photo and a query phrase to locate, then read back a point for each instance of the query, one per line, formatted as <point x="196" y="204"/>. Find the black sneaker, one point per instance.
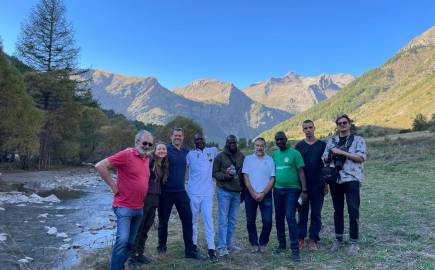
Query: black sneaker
<point x="193" y="255"/>
<point x="161" y="250"/>
<point x="133" y="264"/>
<point x="212" y="256"/>
<point x="142" y="259"/>
<point x="195" y="248"/>
<point x="295" y="256"/>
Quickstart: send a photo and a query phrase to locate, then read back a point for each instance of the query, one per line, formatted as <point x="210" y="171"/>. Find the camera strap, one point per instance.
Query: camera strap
<point x="347" y="144"/>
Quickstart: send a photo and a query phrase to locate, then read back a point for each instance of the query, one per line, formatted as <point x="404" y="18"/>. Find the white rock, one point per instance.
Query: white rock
<point x="28" y="258"/>
<point x="21" y="205"/>
<point x="42" y="221"/>
<point x="67" y="239"/>
<point x="62" y="235"/>
<point x="2" y="209"/>
<point x="51" y="230"/>
<point x="59" y="215"/>
<point x="51" y="198"/>
<point x="23" y="261"/>
<point x="43" y="215"/>
<point x="3" y="237"/>
<point x="64" y="246"/>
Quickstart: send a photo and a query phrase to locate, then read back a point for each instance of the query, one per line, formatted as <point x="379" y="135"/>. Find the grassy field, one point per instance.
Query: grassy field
<point x="397" y="222"/>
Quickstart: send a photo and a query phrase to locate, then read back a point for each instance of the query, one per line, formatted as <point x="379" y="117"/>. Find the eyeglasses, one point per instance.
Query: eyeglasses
<point x="147" y="144"/>
<point x="342" y="123"/>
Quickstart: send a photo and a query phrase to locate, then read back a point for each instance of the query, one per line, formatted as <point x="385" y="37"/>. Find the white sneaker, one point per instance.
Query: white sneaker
<point x="223" y="252"/>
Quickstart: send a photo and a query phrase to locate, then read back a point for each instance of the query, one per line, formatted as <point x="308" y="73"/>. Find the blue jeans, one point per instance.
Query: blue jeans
<point x="285" y="200"/>
<point x="266" y="210"/>
<point x="228" y="211"/>
<point x="127" y="224"/>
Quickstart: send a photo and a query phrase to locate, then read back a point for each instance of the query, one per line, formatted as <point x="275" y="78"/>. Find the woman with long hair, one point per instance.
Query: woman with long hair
<point x="159" y="170"/>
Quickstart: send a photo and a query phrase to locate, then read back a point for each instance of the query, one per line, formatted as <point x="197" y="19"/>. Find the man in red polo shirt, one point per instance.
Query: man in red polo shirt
<point x="129" y="190"/>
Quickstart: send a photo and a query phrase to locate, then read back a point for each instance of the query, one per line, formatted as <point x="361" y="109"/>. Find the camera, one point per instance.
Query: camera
<point x="337" y="159"/>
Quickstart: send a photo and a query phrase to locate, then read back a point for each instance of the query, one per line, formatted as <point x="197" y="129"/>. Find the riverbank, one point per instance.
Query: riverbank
<point x="49" y="218"/>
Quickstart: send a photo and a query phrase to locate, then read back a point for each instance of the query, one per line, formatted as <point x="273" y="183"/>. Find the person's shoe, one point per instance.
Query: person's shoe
<point x="234" y="249"/>
<point x="353" y="249"/>
<point x="142" y="259"/>
<point x="262" y="249"/>
<point x="195" y="247"/>
<point x="133" y="264"/>
<point x="222" y="252"/>
<point x="255" y="249"/>
<point x="295" y="256"/>
<point x="312" y="245"/>
<point x="212" y="256"/>
<point x="280" y="248"/>
<point x="336" y="245"/>
<point x="161" y="250"/>
<point x="193" y="255"/>
<point x="301" y="243"/>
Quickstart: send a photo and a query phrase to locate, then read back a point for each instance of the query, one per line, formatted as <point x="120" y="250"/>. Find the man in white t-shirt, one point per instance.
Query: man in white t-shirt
<point x="200" y="188"/>
<point x="259" y="176"/>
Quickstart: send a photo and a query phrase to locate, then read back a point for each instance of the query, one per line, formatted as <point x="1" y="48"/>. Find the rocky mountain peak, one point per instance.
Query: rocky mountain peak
<point x="426" y="39"/>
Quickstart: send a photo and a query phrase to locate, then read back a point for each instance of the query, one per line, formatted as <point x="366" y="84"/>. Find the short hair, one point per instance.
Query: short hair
<point x="280" y="133"/>
<point x="231" y="137"/>
<point x="177" y="129"/>
<point x="140" y="134"/>
<point x="343" y="116"/>
<point x="260" y="139"/>
<point x="308" y="121"/>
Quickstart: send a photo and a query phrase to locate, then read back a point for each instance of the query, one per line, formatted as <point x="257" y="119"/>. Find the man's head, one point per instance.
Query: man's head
<point x="143" y="141"/>
<point x="343" y="123"/>
<point x="308" y="128"/>
<point x="177" y="137"/>
<point x="199" y="141"/>
<point x="259" y="146"/>
<point x="281" y="140"/>
<point x="231" y="143"/>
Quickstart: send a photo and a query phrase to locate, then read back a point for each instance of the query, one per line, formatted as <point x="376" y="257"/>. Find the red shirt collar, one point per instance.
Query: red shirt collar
<point x="136" y="153"/>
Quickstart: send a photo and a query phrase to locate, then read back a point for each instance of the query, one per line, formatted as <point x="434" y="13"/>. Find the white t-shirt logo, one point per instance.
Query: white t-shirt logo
<point x="286" y="159"/>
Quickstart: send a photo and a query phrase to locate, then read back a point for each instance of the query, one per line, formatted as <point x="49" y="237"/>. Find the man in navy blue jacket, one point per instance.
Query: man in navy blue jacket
<point x="174" y="193"/>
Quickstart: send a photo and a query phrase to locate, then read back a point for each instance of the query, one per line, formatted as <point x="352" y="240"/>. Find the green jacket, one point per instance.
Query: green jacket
<point x="220" y="165"/>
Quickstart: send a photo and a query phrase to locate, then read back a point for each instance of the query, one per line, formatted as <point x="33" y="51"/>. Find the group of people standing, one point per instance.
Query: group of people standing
<point x="288" y="182"/>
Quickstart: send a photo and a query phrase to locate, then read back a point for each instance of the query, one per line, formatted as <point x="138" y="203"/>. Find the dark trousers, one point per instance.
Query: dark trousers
<point x="266" y="210"/>
<point x="285" y="200"/>
<point x="315" y="204"/>
<point x="182" y="203"/>
<point x="350" y="190"/>
<point x="149" y="212"/>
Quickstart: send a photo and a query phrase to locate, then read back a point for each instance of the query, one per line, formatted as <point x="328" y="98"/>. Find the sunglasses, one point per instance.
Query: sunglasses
<point x="342" y="123"/>
<point x="147" y="144"/>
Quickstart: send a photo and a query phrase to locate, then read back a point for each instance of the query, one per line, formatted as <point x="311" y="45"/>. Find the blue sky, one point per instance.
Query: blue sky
<point x="238" y="41"/>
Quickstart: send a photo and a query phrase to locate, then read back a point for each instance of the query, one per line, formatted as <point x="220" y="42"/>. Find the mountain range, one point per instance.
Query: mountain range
<point x="219" y="107"/>
<point x="388" y="97"/>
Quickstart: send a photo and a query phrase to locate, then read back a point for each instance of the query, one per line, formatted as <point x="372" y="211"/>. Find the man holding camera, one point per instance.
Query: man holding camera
<point x="227" y="170"/>
<point x="347" y="153"/>
<point x="311" y="150"/>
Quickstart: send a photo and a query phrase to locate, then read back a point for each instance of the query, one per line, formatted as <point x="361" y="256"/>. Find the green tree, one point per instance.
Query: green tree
<point x="243" y="143"/>
<point x="189" y="126"/>
<point x="46" y="41"/>
<point x="20" y="120"/>
<point x="92" y="121"/>
<point x="420" y="123"/>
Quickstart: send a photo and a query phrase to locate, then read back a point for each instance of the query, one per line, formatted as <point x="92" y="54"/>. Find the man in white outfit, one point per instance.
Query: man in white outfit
<point x="200" y="188"/>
